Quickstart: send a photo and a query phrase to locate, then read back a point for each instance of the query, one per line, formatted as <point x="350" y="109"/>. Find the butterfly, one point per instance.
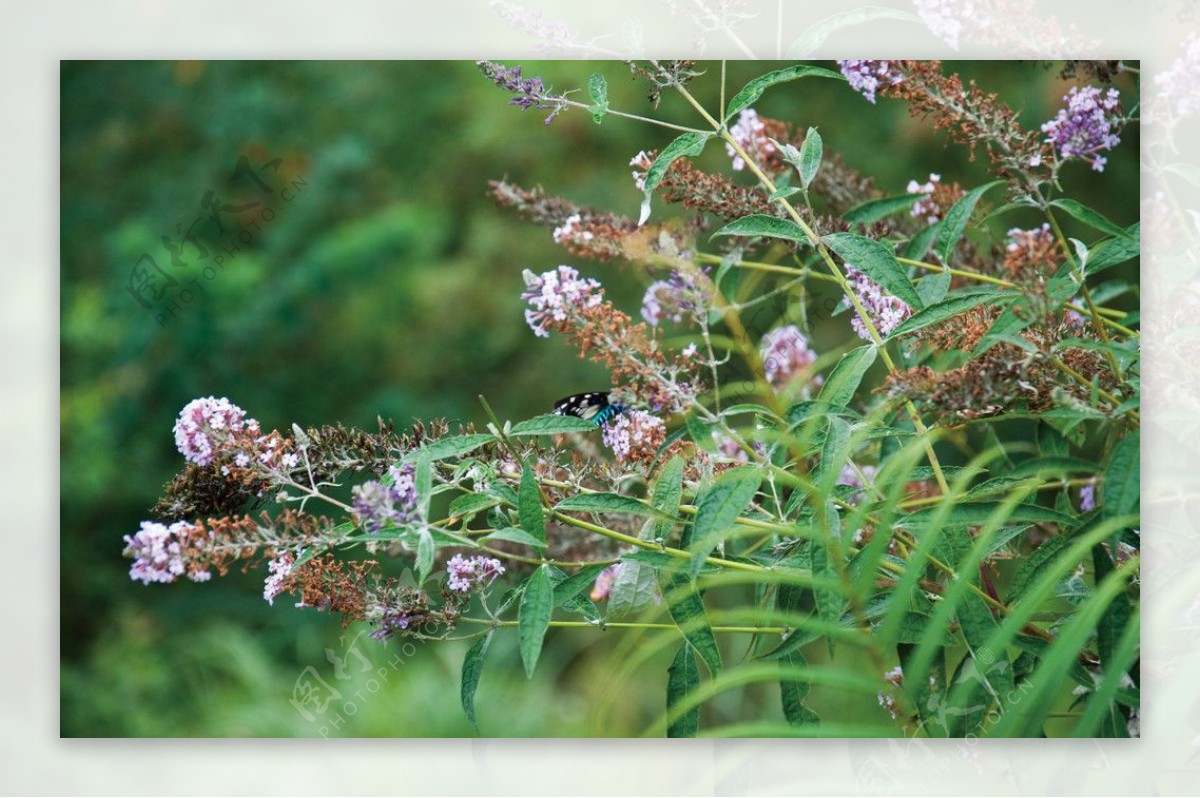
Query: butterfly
<point x="592" y="406"/>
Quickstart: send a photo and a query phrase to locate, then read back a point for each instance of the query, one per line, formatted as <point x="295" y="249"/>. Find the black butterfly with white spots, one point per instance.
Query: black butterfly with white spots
<point x="591" y="406"/>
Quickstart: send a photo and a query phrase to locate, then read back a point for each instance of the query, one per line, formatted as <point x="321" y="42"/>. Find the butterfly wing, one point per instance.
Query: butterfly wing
<point x="582" y="405"/>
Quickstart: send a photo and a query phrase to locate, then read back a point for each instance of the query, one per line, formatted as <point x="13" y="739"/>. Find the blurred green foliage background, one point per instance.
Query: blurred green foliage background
<point x="388" y="286"/>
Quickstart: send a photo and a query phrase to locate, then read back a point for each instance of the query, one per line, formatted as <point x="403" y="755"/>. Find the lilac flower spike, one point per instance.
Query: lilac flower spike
<point x="866" y="77"/>
<point x="378" y="505"/>
<point x="553" y="294"/>
<point x="207" y="425"/>
<point x="885" y="310"/>
<point x="786" y="354"/>
<point x="1086" y="126"/>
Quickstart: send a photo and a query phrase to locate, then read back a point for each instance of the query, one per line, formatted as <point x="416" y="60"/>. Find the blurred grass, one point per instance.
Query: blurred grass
<point x="390" y="286"/>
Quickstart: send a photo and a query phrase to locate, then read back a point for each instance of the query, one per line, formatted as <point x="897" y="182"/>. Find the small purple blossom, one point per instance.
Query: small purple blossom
<point x="866" y="77"/>
<point x="278" y="570"/>
<point x="206" y="426"/>
<point x="885" y="310"/>
<point x="603" y="585"/>
<point x="635" y="435"/>
<point x="1086" y="126"/>
<point x="951" y="19"/>
<point x="393" y="619"/>
<point x="674" y="298"/>
<point x="377" y="505"/>
<point x="161" y="552"/>
<point x="527" y="92"/>
<point x="750" y="134"/>
<point x="467" y="573"/>
<point x="1087" y="498"/>
<point x="786" y="354"/>
<point x="554" y="294"/>
<point x="925" y="208"/>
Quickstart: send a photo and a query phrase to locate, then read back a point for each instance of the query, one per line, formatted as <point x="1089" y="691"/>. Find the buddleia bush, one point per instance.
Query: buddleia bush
<point x="948" y="549"/>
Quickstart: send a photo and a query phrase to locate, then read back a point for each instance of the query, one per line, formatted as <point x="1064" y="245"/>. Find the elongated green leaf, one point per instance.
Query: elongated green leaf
<point x="955" y="221"/>
<point x="874" y="210"/>
<point x="446" y="448"/>
<point x="1116" y="617"/>
<point x="920" y="243"/>
<point x="1116" y="250"/>
<point x="529" y="507"/>
<point x="606" y="503"/>
<point x="831" y="602"/>
<point x="934" y="287"/>
<point x="877" y="261"/>
<point x="834" y="453"/>
<point x="472" y="669"/>
<point x="598" y="89"/>
<point x="634" y="588"/>
<point x="667" y="494"/>
<point x="750" y="93"/>
<point x="811" y="152"/>
<point x="682" y="678"/>
<point x="1053" y="465"/>
<point x="469" y="504"/>
<point x="792" y="692"/>
<point x="687" y="611"/>
<point x="533" y="617"/>
<point x="1101" y="706"/>
<point x="551" y="424"/>
<point x="570" y="587"/>
<point x="718" y="507"/>
<point x="759" y="224"/>
<point x="810" y="40"/>
<point x="842" y="383"/>
<point x="974" y="513"/>
<point x="1088" y="216"/>
<point x="425" y="549"/>
<point x="948" y="308"/>
<point x="514" y="535"/>
<point x="1121" y="492"/>
<point x="687" y="145"/>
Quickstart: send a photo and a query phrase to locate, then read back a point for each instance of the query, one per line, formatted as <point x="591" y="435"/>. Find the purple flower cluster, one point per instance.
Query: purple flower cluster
<point x="885" y="310"/>
<point x="866" y="77"/>
<point x="674" y="298"/>
<point x="161" y="553"/>
<point x="278" y="570"/>
<point x="206" y="426"/>
<point x="786" y="355"/>
<point x="1086" y="126"/>
<point x="925" y="208"/>
<point x="635" y="435"/>
<point x="377" y="505"/>
<point x="950" y="19"/>
<point x="602" y="587"/>
<point x="393" y="618"/>
<point x="554" y="294"/>
<point x="527" y="92"/>
<point x="750" y="134"/>
<point x="467" y="573"/>
<point x="1087" y="498"/>
<point x="1178" y="88"/>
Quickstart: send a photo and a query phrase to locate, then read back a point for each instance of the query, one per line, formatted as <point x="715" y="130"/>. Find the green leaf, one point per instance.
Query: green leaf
<point x="446" y="448"/>
<point x="514" y="535"/>
<point x="792" y="692"/>
<point x="750" y="93"/>
<point x="533" y="617"/>
<point x="877" y="261"/>
<point x="1121" y="492"/>
<point x="1035" y="563"/>
<point x="831" y="602"/>
<point x="1053" y="465"/>
<point x="572" y="586"/>
<point x="472" y="669"/>
<point x="842" y="383"/>
<point x="469" y="504"/>
<point x="874" y="210"/>
<point x="811" y="152"/>
<point x="920" y="243"/>
<point x="718" y="507"/>
<point x="934" y="287"/>
<point x="598" y="89"/>
<point x="606" y="503"/>
<point x="834" y="453"/>
<point x="783" y="193"/>
<point x="976" y="513"/>
<point x="682" y="678"/>
<point x="551" y="424"/>
<point x="686" y="145"/>
<point x="815" y="35"/>
<point x="425" y="549"/>
<point x="423" y="486"/>
<point x="529" y="507"/>
<point x="634" y="587"/>
<point x="687" y="610"/>
<point x="1116" y="250"/>
<point x="1088" y="216"/>
<point x="949" y="308"/>
<point x="760" y="224"/>
<point x="666" y="496"/>
<point x="956" y="220"/>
